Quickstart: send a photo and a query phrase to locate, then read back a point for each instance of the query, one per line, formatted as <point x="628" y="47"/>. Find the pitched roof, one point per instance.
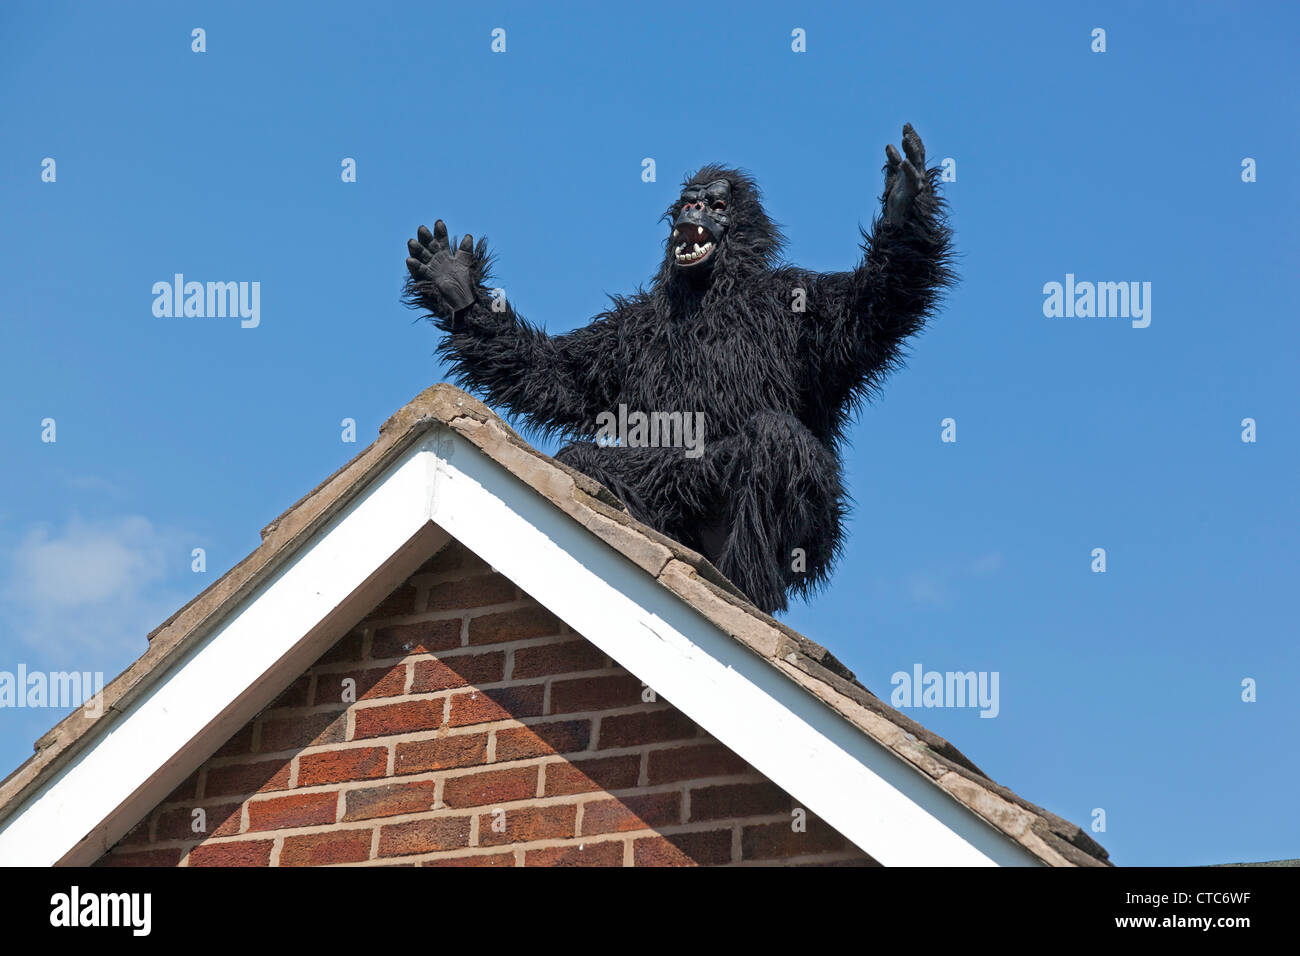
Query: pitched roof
<point x="434" y="417"/>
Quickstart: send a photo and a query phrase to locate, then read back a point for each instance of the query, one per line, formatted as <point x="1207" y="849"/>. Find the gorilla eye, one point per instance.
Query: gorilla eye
<point x="719" y="204"/>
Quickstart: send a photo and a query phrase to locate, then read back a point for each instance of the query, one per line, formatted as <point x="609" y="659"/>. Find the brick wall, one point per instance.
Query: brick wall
<point x="461" y="724"/>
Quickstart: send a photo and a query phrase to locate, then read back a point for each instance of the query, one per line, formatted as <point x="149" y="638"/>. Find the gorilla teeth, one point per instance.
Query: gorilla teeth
<point x="695" y="255"/>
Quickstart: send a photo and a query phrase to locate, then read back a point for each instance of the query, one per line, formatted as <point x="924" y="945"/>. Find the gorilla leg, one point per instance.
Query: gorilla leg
<point x="782" y="509"/>
<point x="660" y="486"/>
<point x="765" y="505"/>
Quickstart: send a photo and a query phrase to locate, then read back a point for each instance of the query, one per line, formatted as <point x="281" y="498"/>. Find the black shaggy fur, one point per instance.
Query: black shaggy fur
<point x="777" y="387"/>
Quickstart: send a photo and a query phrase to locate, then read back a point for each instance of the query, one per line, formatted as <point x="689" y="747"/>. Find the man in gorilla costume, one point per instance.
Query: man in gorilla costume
<point x="778" y="359"/>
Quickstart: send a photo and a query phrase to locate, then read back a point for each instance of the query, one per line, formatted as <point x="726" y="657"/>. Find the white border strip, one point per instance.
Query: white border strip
<point x="129" y="751"/>
<point x="866" y="792"/>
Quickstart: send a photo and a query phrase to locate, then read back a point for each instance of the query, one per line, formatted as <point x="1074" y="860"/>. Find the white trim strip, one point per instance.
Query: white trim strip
<point x="133" y="759"/>
<point x="866" y="792"/>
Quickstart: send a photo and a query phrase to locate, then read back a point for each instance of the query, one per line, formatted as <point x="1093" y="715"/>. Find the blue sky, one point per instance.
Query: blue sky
<point x="1119" y="691"/>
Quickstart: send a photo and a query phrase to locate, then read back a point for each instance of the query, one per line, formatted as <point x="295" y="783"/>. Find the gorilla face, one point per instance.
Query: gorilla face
<point x="701" y="224"/>
<point x="719" y="234"/>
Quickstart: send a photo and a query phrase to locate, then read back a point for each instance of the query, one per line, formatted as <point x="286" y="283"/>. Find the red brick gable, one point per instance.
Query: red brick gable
<point x="461" y="724"/>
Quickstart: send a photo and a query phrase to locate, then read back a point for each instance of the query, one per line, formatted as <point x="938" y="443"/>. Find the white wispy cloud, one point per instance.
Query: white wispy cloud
<point x="91" y="590"/>
<point x="94" y="484"/>
<point x="986" y="564"/>
<point x="939" y="587"/>
<point x="929" y="588"/>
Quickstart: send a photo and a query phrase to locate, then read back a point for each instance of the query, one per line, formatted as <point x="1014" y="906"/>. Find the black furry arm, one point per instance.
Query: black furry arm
<point x="554" y="383"/>
<point x="858" y="321"/>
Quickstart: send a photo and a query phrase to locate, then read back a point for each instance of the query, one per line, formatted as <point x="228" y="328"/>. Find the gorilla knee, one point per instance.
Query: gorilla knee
<point x="786" y="506"/>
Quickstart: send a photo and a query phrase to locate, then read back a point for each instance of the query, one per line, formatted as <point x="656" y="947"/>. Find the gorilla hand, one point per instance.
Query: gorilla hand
<point x="905" y="179"/>
<point x="444" y="280"/>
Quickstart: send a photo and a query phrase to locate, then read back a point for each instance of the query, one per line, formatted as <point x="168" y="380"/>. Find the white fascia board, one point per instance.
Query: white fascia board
<point x="141" y="754"/>
<point x="870" y="795"/>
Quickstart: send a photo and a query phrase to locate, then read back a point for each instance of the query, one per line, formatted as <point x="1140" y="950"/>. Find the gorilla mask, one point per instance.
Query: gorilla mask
<point x="700" y="225"/>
